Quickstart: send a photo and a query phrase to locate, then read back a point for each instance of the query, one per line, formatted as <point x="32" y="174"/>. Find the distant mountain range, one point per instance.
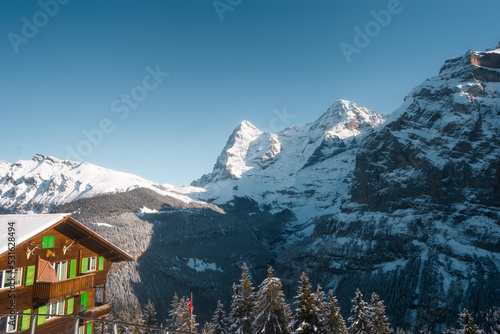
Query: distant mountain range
<point x="39" y="184"/>
<point x="406" y="205"/>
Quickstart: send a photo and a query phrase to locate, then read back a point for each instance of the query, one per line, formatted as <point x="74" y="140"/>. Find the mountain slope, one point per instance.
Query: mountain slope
<point x="44" y="182"/>
<point x="302" y="169"/>
<point x="420" y="224"/>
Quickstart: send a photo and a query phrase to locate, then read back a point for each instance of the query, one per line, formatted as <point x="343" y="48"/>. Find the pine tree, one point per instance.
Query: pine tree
<point x="219" y="319"/>
<point x="208" y="328"/>
<point x="336" y="323"/>
<point x="319" y="300"/>
<point x="272" y="312"/>
<point x="306" y="319"/>
<point x="123" y="318"/>
<point x="242" y="314"/>
<point x="179" y="316"/>
<point x="360" y="322"/>
<point x="467" y="323"/>
<point x="380" y="322"/>
<point x="187" y="319"/>
<point x="174" y="321"/>
<point x="149" y="317"/>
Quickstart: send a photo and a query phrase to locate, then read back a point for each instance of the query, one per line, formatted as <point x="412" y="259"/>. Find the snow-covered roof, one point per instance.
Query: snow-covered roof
<point x="28" y="225"/>
<point x="25" y="226"/>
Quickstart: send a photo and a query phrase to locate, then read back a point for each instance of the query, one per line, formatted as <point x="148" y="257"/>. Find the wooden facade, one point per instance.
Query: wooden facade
<point x="78" y="257"/>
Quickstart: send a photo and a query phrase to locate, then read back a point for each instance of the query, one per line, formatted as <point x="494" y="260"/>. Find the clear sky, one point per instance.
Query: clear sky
<point x="75" y="67"/>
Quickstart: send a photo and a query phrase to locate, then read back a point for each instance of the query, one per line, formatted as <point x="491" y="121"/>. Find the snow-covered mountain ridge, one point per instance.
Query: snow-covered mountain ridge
<point x="302" y="168"/>
<point x="39" y="184"/>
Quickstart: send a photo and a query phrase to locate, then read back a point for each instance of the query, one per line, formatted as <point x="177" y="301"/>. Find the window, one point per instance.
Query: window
<point x="48" y="241"/>
<point x="61" y="270"/>
<point x="81" y="330"/>
<point x="55" y="308"/>
<point x="88" y="264"/>
<point x="8" y="324"/>
<point x="10" y="277"/>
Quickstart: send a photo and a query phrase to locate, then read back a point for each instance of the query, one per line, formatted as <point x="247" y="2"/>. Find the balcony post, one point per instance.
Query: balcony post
<point x="77" y="325"/>
<point x="33" y="324"/>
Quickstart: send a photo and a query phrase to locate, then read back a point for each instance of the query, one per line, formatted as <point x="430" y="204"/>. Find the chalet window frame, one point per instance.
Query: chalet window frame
<point x="55" y="309"/>
<point x="92" y="264"/>
<point x="18" y="278"/>
<point x="7" y="329"/>
<point x="60" y="273"/>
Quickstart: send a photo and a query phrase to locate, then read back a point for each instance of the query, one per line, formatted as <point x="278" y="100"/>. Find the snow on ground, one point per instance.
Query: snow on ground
<point x="200" y="265"/>
<point x="103" y="224"/>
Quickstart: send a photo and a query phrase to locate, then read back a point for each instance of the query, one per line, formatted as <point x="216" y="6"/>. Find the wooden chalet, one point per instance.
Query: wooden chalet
<point x="51" y="264"/>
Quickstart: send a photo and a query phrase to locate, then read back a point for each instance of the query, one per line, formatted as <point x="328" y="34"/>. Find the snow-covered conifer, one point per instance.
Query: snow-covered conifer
<point x="306" y="319"/>
<point x="272" y="312"/>
<point x="219" y="319"/>
<point x="380" y="322"/>
<point x="360" y="320"/>
<point x="467" y="323"/>
<point x="336" y="323"/>
<point x="187" y="319"/>
<point x="149" y="316"/>
<point x="208" y="328"/>
<point x="241" y="316"/>
<point x="320" y="301"/>
<point x="174" y="315"/>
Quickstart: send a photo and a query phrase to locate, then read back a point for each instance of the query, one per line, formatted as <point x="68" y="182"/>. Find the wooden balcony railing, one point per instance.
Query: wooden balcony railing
<point x="46" y="291"/>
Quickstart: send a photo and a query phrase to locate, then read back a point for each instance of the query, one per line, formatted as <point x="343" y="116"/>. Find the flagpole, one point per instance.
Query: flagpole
<point x="191" y="311"/>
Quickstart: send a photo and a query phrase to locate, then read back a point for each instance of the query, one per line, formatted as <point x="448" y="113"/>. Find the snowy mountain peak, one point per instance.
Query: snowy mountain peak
<point x="302" y="168"/>
<point x="231" y="162"/>
<point x="346" y="119"/>
<point x="246" y="126"/>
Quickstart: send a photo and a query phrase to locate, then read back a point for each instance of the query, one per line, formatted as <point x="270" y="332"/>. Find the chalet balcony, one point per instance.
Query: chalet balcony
<point x="98" y="311"/>
<point x="45" y="292"/>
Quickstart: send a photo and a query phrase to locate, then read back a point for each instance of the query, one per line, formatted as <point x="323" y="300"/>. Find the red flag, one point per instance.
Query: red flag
<point x="191" y="304"/>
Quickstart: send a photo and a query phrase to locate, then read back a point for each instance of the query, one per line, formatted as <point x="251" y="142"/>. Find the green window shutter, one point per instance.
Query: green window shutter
<point x="85" y="264"/>
<point x="49" y="241"/>
<point x="69" y="307"/>
<point x="101" y="262"/>
<point x="41" y="319"/>
<point x="25" y="320"/>
<point x="30" y="276"/>
<point x="84" y="299"/>
<point x="89" y="328"/>
<point x="72" y="268"/>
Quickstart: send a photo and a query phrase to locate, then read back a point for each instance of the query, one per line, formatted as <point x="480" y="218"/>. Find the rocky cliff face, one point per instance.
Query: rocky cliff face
<point x="442" y="147"/>
<point x="420" y="222"/>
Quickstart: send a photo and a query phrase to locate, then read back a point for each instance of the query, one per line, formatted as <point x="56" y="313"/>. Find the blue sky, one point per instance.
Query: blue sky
<point x="72" y="73"/>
